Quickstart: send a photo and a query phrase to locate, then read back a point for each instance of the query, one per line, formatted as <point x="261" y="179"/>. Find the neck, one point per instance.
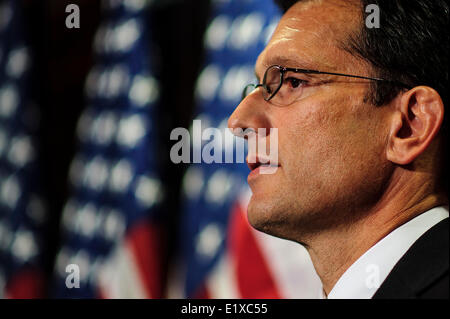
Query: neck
<point x="334" y="251"/>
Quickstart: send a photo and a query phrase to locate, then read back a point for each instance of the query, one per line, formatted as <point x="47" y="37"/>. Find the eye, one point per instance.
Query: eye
<point x="294" y="82"/>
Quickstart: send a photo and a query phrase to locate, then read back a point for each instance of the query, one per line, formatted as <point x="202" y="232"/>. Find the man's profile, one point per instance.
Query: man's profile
<point x="361" y="179"/>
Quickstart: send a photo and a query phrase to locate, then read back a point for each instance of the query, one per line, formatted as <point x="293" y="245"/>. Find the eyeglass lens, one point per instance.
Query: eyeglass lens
<point x="271" y="82"/>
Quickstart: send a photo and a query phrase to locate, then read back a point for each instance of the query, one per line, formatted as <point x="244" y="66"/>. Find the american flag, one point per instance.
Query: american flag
<point x="221" y="256"/>
<point x="111" y="223"/>
<point x="22" y="207"/>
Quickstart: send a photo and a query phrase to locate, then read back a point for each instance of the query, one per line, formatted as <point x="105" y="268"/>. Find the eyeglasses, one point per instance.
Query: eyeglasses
<point x="279" y="87"/>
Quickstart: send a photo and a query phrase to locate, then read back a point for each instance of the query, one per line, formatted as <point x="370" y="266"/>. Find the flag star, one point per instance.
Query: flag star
<point x="104" y="127"/>
<point x="209" y="240"/>
<point x="149" y="191"/>
<point x="10" y="191"/>
<point x="217" y="32"/>
<point x="131" y="130"/>
<point x="76" y="170"/>
<point x="18" y="62"/>
<point x="135" y="5"/>
<point x="246" y="31"/>
<point x="82" y="260"/>
<point x="9" y="100"/>
<point x="114" y="225"/>
<point x="21" y="151"/>
<point x="5" y="15"/>
<point x="193" y="182"/>
<point x="113" y="81"/>
<point x="127" y="34"/>
<point x="144" y="90"/>
<point x="219" y="186"/>
<point x="24" y="245"/>
<point x="96" y="173"/>
<point x="69" y="214"/>
<point x="84" y="125"/>
<point x="62" y="260"/>
<point x="121" y="176"/>
<point x="119" y="38"/>
<point x="103" y="39"/>
<point x="86" y="220"/>
<point x="92" y="81"/>
<point x="235" y="80"/>
<point x="208" y="82"/>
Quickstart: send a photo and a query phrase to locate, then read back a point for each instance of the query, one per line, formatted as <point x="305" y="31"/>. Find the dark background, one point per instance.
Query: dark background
<point x="63" y="58"/>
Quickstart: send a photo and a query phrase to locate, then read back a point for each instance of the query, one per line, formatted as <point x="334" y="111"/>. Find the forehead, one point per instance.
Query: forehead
<point x="310" y="34"/>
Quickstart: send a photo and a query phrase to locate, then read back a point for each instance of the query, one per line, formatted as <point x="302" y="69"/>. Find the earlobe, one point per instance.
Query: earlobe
<point x="415" y="123"/>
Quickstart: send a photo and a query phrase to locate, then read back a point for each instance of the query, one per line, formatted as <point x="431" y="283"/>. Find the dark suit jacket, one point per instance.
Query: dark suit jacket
<point x="423" y="271"/>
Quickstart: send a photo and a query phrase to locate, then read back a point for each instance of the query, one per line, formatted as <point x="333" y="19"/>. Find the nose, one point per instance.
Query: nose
<point x="249" y="115"/>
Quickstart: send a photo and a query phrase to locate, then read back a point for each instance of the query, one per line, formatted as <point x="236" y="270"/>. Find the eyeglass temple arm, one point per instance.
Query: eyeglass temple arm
<point x="347" y="75"/>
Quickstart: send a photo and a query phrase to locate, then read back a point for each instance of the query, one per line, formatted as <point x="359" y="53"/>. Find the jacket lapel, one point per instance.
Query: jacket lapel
<point x="424" y="263"/>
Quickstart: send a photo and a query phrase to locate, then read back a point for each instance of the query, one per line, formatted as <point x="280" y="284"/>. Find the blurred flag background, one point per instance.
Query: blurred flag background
<point x="22" y="206"/>
<point x="221" y="256"/>
<point x="110" y="224"/>
<point x="135" y="224"/>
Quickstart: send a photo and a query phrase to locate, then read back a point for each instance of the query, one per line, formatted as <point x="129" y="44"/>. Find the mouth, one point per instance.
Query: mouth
<point x="255" y="162"/>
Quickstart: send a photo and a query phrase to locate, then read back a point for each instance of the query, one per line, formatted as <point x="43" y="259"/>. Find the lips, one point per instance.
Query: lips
<point x="255" y="161"/>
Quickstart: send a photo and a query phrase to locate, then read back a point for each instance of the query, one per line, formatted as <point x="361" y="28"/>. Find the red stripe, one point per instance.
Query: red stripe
<point x="145" y="243"/>
<point x="27" y="284"/>
<point x="202" y="293"/>
<point x="253" y="274"/>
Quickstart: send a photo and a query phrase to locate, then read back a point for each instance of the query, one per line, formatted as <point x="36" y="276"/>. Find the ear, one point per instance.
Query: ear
<point x="416" y="122"/>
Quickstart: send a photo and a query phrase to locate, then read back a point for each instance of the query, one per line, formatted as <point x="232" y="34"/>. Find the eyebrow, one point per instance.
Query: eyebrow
<point x="290" y="62"/>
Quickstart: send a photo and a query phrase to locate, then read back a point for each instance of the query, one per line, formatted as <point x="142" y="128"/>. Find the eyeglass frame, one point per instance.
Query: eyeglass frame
<point x="283" y="70"/>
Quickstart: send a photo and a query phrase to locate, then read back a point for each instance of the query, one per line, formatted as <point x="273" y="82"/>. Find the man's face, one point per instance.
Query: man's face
<point x="331" y="143"/>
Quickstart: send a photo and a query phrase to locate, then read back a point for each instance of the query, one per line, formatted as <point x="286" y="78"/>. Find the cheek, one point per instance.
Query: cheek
<point x="309" y="134"/>
<point x="326" y="143"/>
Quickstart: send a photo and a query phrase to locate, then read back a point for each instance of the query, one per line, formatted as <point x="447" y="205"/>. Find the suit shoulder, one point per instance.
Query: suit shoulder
<point x="423" y="271"/>
<point x="439" y="289"/>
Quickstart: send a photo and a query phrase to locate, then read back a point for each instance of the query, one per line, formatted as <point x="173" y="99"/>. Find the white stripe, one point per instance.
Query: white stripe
<point x="222" y="282"/>
<point x="289" y="262"/>
<point x="119" y="276"/>
<point x="290" y="266"/>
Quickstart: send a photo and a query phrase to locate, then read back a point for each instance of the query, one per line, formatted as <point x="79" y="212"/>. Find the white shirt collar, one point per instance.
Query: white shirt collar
<point x="362" y="279"/>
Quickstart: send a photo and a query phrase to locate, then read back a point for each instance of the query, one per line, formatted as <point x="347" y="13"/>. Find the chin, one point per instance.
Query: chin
<point x="285" y="218"/>
<point x="270" y="219"/>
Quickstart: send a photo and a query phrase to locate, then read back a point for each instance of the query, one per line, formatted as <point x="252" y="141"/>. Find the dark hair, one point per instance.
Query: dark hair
<point x="411" y="46"/>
